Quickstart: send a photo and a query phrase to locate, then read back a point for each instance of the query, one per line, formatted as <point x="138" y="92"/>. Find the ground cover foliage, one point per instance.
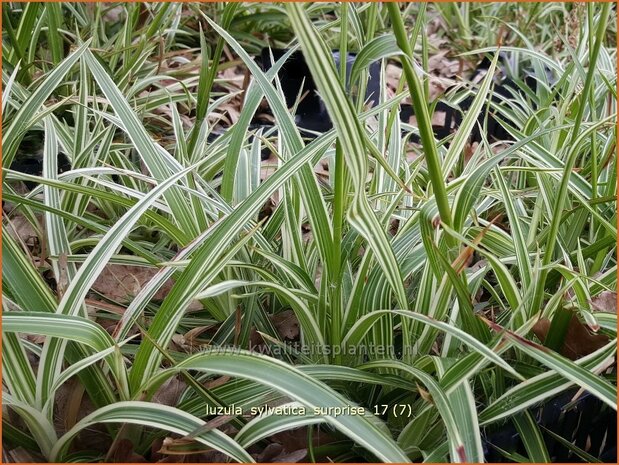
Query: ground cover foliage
<point x="178" y="255"/>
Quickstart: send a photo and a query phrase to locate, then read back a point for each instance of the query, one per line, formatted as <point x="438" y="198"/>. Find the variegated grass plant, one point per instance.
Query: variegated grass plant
<point x="538" y="214"/>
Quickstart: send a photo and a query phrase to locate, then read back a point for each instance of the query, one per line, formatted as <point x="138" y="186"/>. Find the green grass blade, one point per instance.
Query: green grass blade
<point x="156" y="416"/>
<point x="151" y="153"/>
<point x="564" y="367"/>
<point x="12" y="136"/>
<point x="440" y="400"/>
<point x="350" y="133"/>
<point x="301" y="388"/>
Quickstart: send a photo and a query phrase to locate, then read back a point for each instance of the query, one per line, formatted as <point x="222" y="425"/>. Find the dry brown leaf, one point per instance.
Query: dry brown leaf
<point x="434" y="26"/>
<point x="440" y="65"/>
<point x="21" y="455"/>
<point x="181" y="450"/>
<point x="35" y="338"/>
<point x="269" y="452"/>
<point x="217" y="382"/>
<point x="266" y="118"/>
<point x="63" y="277"/>
<point x="296" y="439"/>
<point x="70" y="406"/>
<point x="123" y="453"/>
<point x="293" y="457"/>
<point x="191" y="336"/>
<point x="392" y="78"/>
<point x="170" y="392"/>
<point x="605" y="301"/>
<point x="425" y="395"/>
<point x="179" y="344"/>
<point x="19" y="228"/>
<point x="234" y="75"/>
<point x="123" y="282"/>
<point x="75" y="406"/>
<point x="116" y="14"/>
<point x="268" y="167"/>
<point x="93" y="305"/>
<point x="579" y="341"/>
<point x="321" y="170"/>
<point x="286" y="324"/>
<point x="233" y="110"/>
<point x="275" y="453"/>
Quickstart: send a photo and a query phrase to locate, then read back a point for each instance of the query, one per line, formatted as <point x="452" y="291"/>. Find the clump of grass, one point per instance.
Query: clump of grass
<point x="430" y="325"/>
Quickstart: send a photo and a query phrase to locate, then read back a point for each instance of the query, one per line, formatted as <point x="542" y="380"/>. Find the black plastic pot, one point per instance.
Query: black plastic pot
<point x="29" y="157"/>
<point x="588" y="423"/>
<point x="295" y="77"/>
